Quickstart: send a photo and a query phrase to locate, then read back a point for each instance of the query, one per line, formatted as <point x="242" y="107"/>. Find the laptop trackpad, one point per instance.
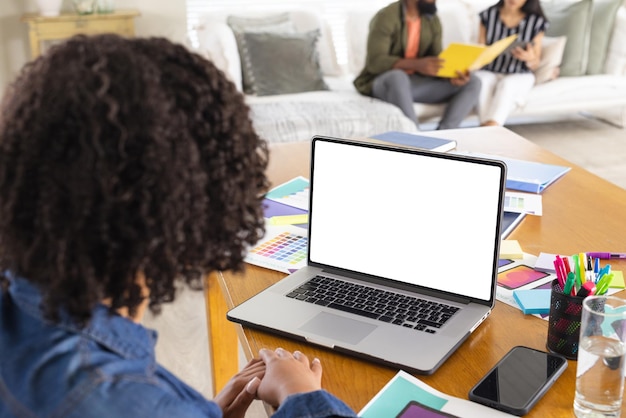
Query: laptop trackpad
<point x="338" y="328"/>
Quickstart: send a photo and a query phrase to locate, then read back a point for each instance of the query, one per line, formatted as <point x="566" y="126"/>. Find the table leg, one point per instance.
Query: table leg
<point x="222" y="336"/>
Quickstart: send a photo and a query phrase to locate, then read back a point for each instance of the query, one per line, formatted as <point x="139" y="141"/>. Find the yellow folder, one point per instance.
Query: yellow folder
<point x="468" y="57"/>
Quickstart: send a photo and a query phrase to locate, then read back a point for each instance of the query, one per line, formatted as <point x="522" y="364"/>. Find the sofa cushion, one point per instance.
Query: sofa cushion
<point x="572" y="19"/>
<point x="575" y="94"/>
<point x="551" y="56"/>
<point x="240" y="25"/>
<point x="341" y="113"/>
<point x="604" y="13"/>
<point x="281" y="63"/>
<point x="616" y="54"/>
<point x="304" y="20"/>
<point x="269" y="23"/>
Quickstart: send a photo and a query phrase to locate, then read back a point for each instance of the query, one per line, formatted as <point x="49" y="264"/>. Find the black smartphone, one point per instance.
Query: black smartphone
<point x="519" y="44"/>
<point x="518" y="380"/>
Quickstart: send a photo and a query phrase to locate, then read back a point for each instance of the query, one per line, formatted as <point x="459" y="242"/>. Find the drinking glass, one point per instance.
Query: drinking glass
<point x="600" y="369"/>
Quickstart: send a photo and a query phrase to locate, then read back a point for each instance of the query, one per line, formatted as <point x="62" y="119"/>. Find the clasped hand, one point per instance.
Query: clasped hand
<point x="270" y="378"/>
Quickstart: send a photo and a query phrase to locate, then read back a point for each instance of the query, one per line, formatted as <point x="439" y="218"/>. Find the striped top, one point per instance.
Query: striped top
<point x="527" y="29"/>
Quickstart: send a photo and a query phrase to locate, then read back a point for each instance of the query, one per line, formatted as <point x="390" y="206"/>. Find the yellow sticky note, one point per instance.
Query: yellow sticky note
<point x="510" y="248"/>
<point x="289" y="219"/>
<point x="618" y="280"/>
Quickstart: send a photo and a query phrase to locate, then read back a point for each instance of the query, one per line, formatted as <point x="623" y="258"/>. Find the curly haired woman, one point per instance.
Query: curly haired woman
<point x="126" y="165"/>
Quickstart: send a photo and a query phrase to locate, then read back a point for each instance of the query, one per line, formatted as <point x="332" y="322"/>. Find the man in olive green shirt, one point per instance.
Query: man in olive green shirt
<point x="402" y="61"/>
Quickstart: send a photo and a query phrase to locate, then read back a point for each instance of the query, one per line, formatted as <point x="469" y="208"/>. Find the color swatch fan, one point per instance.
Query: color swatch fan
<point x="283" y="249"/>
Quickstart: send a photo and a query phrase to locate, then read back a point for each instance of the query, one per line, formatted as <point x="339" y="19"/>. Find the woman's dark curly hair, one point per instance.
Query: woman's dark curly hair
<point x="121" y="157"/>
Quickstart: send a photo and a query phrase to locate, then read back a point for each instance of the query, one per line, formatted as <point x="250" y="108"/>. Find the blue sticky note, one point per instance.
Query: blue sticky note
<point x="533" y="301"/>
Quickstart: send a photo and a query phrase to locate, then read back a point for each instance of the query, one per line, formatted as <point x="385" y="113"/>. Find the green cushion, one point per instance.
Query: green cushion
<point x="572" y="19"/>
<point x="281" y="63"/>
<point x="604" y="12"/>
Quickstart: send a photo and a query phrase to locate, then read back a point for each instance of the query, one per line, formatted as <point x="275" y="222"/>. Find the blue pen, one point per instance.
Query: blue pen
<point x="602" y="272"/>
<point x="596" y="266"/>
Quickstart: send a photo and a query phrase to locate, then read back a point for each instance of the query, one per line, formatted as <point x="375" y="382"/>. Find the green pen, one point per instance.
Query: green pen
<point x="567" y="288"/>
<point x="577" y="280"/>
<point x="603" y="285"/>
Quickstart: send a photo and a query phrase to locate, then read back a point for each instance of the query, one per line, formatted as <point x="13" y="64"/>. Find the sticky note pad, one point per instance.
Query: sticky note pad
<point x="618" y="280"/>
<point x="289" y="219"/>
<point x="510" y="248"/>
<point x="545" y="262"/>
<point x="533" y="301"/>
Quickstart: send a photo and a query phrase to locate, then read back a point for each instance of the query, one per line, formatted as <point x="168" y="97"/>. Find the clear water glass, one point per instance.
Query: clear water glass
<point x="601" y="355"/>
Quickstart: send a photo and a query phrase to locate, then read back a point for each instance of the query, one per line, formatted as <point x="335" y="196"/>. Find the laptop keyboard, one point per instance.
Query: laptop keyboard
<point x="386" y="306"/>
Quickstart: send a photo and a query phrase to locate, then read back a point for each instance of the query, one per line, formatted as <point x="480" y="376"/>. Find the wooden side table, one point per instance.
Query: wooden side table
<point x="50" y="28"/>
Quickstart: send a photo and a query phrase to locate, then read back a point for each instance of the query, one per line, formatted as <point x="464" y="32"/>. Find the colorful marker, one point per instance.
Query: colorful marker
<point x="606" y="255"/>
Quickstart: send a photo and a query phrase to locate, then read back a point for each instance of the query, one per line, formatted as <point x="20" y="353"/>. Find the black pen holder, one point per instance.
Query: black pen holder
<point x="564" y="322"/>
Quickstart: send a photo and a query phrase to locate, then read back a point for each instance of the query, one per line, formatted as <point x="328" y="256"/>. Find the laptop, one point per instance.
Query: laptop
<point x="402" y="255"/>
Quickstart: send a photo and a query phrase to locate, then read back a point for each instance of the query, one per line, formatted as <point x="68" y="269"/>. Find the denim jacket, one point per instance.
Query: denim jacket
<point x="106" y="369"/>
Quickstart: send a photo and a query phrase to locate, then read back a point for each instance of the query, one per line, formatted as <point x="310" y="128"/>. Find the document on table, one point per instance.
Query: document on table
<point x="526" y="176"/>
<point x="284" y="245"/>
<point x="294" y="193"/>
<point x="523" y="203"/>
<point x="407" y="396"/>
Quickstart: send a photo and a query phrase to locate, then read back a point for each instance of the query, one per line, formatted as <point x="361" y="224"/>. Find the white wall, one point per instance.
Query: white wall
<point x="158" y="18"/>
<point x="14" y="49"/>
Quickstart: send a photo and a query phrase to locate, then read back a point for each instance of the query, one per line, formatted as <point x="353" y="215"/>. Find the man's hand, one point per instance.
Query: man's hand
<point x="461" y="79"/>
<point x="287" y="374"/>
<point x="428" y="66"/>
<point x="241" y="390"/>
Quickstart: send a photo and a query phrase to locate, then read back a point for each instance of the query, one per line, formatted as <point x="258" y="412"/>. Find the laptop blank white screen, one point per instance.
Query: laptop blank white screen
<point x="417" y="219"/>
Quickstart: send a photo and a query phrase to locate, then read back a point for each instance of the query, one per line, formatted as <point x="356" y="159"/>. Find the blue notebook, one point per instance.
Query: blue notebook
<point x="417" y="141"/>
<point x="527" y="176"/>
<point x="533" y="301"/>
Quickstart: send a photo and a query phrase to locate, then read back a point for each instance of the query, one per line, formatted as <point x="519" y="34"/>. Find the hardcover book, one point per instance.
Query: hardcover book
<point x="416" y="141"/>
<point x="470" y="57"/>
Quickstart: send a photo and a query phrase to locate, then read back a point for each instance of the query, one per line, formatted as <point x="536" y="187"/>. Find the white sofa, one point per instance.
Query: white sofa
<point x="562" y="96"/>
<point x="341" y="111"/>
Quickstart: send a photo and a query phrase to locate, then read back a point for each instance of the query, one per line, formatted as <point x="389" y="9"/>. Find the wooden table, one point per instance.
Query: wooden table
<point x="581" y="212"/>
<point x="51" y="28"/>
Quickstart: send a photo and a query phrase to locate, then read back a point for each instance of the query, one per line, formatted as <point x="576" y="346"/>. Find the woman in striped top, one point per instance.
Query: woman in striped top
<point x="508" y="79"/>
